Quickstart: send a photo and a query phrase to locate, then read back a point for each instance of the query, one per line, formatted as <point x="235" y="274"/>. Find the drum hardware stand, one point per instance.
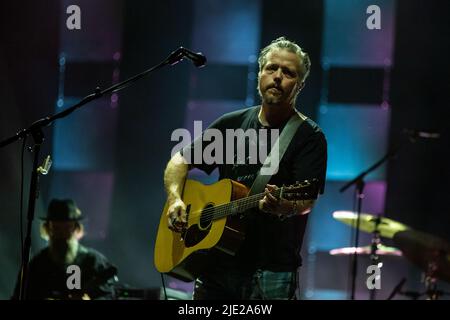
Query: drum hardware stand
<point x="374" y="257"/>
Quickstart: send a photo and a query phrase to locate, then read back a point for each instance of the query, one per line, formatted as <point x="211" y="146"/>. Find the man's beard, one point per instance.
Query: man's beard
<point x="269" y="98"/>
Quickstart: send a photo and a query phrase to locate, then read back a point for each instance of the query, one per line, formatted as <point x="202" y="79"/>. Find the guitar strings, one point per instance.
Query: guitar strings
<point x="216" y="210"/>
<point x="223" y="210"/>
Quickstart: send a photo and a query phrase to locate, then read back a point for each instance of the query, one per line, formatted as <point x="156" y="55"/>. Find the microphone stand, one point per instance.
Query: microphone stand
<point x="35" y="130"/>
<point x="360" y="184"/>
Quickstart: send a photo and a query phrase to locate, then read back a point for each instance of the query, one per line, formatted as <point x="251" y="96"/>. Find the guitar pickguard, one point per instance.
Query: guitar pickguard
<point x="197" y="232"/>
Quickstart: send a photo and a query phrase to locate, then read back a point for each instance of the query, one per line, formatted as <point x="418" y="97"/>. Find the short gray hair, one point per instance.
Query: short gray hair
<point x="283" y="43"/>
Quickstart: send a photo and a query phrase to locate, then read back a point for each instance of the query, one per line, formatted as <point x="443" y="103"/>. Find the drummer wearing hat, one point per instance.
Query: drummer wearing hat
<point x="63" y="230"/>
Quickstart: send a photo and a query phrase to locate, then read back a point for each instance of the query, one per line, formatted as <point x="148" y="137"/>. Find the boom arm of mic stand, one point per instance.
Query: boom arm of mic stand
<point x="366" y="172"/>
<point x="389" y="155"/>
<point x="97" y="94"/>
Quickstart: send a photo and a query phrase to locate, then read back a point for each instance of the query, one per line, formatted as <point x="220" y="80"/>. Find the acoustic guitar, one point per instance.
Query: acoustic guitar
<point x="214" y="214"/>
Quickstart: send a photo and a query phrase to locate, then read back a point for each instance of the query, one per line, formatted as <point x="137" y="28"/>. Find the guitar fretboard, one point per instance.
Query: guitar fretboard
<point x="240" y="205"/>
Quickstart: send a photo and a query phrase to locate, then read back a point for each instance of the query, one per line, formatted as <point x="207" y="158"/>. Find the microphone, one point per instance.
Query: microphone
<point x="414" y="133"/>
<point x="397" y="289"/>
<point x="198" y="58"/>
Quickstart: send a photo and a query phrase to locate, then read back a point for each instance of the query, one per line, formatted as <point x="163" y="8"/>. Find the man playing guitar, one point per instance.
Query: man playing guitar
<point x="265" y="266"/>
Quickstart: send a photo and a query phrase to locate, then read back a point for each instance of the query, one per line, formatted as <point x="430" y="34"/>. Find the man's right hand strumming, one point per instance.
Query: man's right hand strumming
<point x="174" y="179"/>
<point x="176" y="215"/>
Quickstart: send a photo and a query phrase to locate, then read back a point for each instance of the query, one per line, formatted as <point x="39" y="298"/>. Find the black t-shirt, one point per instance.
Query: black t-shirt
<point x="270" y="243"/>
<point x="48" y="279"/>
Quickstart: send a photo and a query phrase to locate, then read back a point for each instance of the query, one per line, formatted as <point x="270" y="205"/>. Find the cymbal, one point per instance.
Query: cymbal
<point x="381" y="250"/>
<point x="430" y="253"/>
<point x="386" y="227"/>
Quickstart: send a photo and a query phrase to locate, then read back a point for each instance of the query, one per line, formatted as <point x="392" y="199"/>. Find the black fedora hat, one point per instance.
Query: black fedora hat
<point x="63" y="210"/>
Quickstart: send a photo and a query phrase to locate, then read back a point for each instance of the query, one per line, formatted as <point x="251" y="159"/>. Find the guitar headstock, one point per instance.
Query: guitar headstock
<point x="306" y="190"/>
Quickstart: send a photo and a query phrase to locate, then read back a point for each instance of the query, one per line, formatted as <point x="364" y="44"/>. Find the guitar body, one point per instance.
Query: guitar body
<point x="179" y="254"/>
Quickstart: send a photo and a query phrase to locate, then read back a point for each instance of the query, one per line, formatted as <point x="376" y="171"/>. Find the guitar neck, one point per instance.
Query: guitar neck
<point x="241" y="205"/>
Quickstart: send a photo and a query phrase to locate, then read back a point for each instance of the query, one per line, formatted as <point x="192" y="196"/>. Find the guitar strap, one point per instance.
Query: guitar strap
<point x="273" y="160"/>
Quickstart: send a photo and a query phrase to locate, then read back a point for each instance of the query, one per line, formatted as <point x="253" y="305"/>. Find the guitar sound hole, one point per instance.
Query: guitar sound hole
<point x="206" y="217"/>
<point x="197" y="232"/>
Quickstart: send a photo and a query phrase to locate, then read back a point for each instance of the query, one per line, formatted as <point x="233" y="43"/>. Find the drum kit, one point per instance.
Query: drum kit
<point x="430" y="253"/>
